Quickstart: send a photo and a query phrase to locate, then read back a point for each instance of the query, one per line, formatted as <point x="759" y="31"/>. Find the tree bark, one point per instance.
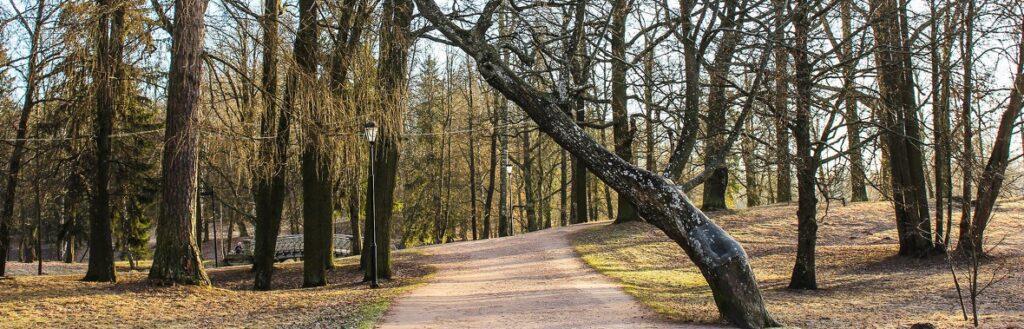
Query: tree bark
<point x="177" y="256"/>
<point x="858" y="186"/>
<point x="317" y="204"/>
<point x="472" y="154"/>
<point x="579" y="76"/>
<point x="683" y="149"/>
<point x="353" y="215"/>
<point x="18" y="150"/>
<point x="716" y="186"/>
<point x="620" y="128"/>
<point x="991" y="180"/>
<point x="269" y="191"/>
<point x="504" y="213"/>
<point x="968" y="139"/>
<point x="807" y="164"/>
<point x="720" y="258"/>
<point x="898" y="118"/>
<point x="780" y="99"/>
<point x="489" y="199"/>
<point x="108" y="52"/>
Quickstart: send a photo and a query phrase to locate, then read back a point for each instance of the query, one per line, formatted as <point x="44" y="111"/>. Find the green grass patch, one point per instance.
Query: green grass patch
<point x="649" y="267"/>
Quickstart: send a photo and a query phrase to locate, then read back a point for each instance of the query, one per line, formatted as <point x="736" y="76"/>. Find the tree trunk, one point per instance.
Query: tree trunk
<point x="317" y="204"/>
<point x="580" y="76"/>
<point x="532" y="223"/>
<point x="489" y="199"/>
<point x="472" y="151"/>
<point x="18" y="150"/>
<point x="941" y="124"/>
<point x="504" y="213"/>
<point x="858" y="185"/>
<point x="620" y="127"/>
<point x="807" y="164"/>
<point x="270" y="191"/>
<point x="353" y="215"/>
<point x="177" y="256"/>
<point x="780" y="99"/>
<point x="968" y="138"/>
<point x="683" y="149"/>
<point x="898" y="118"/>
<point x="563" y="192"/>
<point x="649" y="109"/>
<point x="108" y="53"/>
<point x="720" y="258"/>
<point x="750" y="169"/>
<point x="717" y="185"/>
<point x="991" y="180"/>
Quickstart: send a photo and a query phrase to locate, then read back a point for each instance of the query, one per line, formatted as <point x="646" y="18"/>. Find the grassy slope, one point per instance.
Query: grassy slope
<point x="62" y="301"/>
<point x="863" y="284"/>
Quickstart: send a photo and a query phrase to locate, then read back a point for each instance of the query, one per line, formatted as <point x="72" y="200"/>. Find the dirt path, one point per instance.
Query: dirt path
<point x="535" y="280"/>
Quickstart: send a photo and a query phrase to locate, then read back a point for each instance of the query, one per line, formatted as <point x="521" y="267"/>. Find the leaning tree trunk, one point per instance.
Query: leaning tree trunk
<point x="720" y="258"/>
<point x="991" y="181"/>
<point x="177" y="256"/>
<point x="101" y="249"/>
<point x="270" y="181"/>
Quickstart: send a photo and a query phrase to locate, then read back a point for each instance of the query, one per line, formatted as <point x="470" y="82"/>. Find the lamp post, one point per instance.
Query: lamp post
<point x="511" y="208"/>
<point x="370" y="131"/>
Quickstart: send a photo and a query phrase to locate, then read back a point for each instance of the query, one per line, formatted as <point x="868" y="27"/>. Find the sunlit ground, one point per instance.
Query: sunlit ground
<point x="60" y="301"/>
<point x="863" y="284"/>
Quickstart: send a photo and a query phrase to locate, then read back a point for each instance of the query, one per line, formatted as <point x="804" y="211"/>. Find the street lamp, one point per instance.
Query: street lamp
<point x="370" y="131"/>
<point x="511" y="208"/>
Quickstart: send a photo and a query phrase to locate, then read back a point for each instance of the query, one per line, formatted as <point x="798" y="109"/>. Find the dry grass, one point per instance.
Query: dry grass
<point x="64" y="302"/>
<point x="863" y="284"/>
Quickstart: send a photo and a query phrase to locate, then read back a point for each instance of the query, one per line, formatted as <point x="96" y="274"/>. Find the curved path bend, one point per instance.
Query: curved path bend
<point x="534" y="280"/>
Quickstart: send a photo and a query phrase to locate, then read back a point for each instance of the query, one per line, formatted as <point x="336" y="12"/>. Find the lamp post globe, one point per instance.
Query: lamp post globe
<point x="370" y="131"/>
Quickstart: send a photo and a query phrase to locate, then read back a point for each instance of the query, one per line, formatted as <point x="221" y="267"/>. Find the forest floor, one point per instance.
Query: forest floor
<point x="532" y="280"/>
<point x="862" y="282"/>
<point x="62" y="301"/>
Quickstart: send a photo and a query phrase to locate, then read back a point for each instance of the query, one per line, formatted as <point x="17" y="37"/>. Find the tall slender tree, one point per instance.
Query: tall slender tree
<point x="620" y="116"/>
<point x="269" y="188"/>
<point x="32" y="77"/>
<point x="804" y="274"/>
